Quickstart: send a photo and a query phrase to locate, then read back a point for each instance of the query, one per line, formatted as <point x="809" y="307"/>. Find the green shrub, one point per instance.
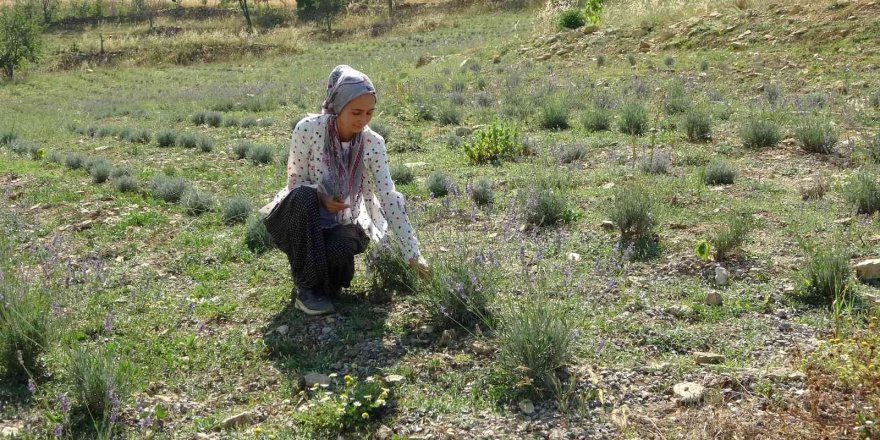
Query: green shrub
<point x="230" y="121"/>
<point x="494" y="144"/>
<point x="571" y="19"/>
<point x="571" y="153"/>
<point x="546" y="205"/>
<point x="412" y="140"/>
<point x="381" y="128"/>
<point x="719" y="172"/>
<point x="27" y="325"/>
<point x="74" y="161"/>
<point x="100" y="171"/>
<point x="402" y="174"/>
<point x="389" y="272"/>
<point x="265" y="122"/>
<point x="109" y="130"/>
<point x="826" y="277"/>
<point x="874" y="100"/>
<point x="247" y="121"/>
<point x="600" y="61"/>
<point x="6" y="137"/>
<point x="449" y="114"/>
<point x="256" y="237"/>
<point x="205" y="144"/>
<point x="816" y="136"/>
<point x="260" y="154"/>
<point x="207" y="117"/>
<point x="597" y="119"/>
<point x="759" y="133"/>
<point x="166" y="138"/>
<point x="117" y="172"/>
<point x="554" y="115"/>
<point x="187" y="140"/>
<point x="633" y="119"/>
<point x="632" y="212"/>
<point x="101" y="382"/>
<point x="697" y="125"/>
<point x="54" y="156"/>
<point x="138" y="136"/>
<point x="536" y="337"/>
<point x="236" y="210"/>
<point x="125" y="184"/>
<point x="459" y="291"/>
<point x="482" y="193"/>
<point x="656" y="163"/>
<point x="669" y="61"/>
<point x="773" y="94"/>
<point x="631" y="59"/>
<point x="677" y="99"/>
<point x="260" y="103"/>
<point x="438" y="184"/>
<point x="872" y="149"/>
<point x="169" y="189"/>
<point x="197" y="202"/>
<point x="704" y="66"/>
<point x="863" y="192"/>
<point x="241" y="147"/>
<point x="352" y="409"/>
<point x="730" y="237"/>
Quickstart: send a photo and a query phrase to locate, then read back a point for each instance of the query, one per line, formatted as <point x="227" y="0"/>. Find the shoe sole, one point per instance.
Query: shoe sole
<point x="312" y="312"/>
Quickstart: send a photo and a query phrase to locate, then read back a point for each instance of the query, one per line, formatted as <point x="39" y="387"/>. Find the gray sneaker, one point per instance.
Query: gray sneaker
<point x="312" y="303"/>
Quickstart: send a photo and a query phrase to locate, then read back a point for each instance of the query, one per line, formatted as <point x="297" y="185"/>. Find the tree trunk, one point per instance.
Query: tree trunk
<point x="247" y="14"/>
<point x="7" y="69"/>
<point x="390" y="12"/>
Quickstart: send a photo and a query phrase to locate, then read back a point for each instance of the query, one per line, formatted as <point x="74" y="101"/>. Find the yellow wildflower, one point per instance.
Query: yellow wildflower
<point x="365" y="416"/>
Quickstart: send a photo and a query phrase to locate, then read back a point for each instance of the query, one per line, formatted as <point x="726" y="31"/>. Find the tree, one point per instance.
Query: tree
<point x="20" y="37"/>
<point x="320" y="11"/>
<point x="49" y="7"/>
<point x="246" y="11"/>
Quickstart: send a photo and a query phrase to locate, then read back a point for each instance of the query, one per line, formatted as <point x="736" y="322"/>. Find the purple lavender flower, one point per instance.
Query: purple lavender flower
<point x="65" y="402"/>
<point x="58" y="430"/>
<point x="145" y="423"/>
<point x="56" y="309"/>
<point x="31" y="386"/>
<point x="108" y="322"/>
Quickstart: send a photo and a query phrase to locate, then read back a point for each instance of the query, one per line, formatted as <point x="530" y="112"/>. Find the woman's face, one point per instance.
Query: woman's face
<point x="356" y="115"/>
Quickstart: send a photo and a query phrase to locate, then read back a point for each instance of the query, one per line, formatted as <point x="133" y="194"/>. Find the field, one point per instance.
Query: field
<point x="666" y="250"/>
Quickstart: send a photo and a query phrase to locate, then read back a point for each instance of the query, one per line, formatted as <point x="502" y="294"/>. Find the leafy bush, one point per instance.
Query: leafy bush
<point x="188" y="140"/>
<point x="773" y="94"/>
<point x="536" y="337"/>
<point x="438" y="184"/>
<point x="260" y="154"/>
<point x="494" y="144"/>
<point x="74" y="161"/>
<point x="816" y="136"/>
<point x="631" y="59"/>
<point x="669" y="61"/>
<point x="677" y="99"/>
<point x="241" y="148"/>
<point x="874" y="100"/>
<point x="101" y="382"/>
<point x="20" y="37"/>
<point x="166" y="138"/>
<point x="633" y="119"/>
<point x="825" y="278"/>
<point x="597" y="119"/>
<point x="872" y="148"/>
<point x="554" y="115"/>
<point x="402" y="174"/>
<point x="247" y="121"/>
<point x="381" y="128"/>
<point x="230" y="121"/>
<point x="698" y="125"/>
<point x="117" y="172"/>
<point x="759" y="133"/>
<point x="571" y="19"/>
<point x="257" y="238"/>
<point x="169" y="189"/>
<point x="351" y="409"/>
<point x="632" y="212"/>
<point x="54" y="156"/>
<point x="207" y="117"/>
<point x="205" y="144"/>
<point x="730" y="237"/>
<point x="546" y="205"/>
<point x="109" y="130"/>
<point x="482" y="193"/>
<point x="196" y="201"/>
<point x="125" y="184"/>
<point x="27" y="325"/>
<point x="138" y="136"/>
<point x="100" y="171"/>
<point x="236" y="210"/>
<point x="412" y="140"/>
<point x="459" y="291"/>
<point x="863" y="192"/>
<point x="719" y="172"/>
<point x="389" y="271"/>
<point x="656" y="163"/>
<point x="571" y="153"/>
<point x="448" y="114"/>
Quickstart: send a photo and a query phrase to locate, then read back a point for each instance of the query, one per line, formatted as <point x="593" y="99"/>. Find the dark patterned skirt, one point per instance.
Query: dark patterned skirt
<point x="319" y="258"/>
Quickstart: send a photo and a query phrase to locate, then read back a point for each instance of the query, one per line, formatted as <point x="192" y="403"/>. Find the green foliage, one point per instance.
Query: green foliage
<point x="571" y="19"/>
<point x="7" y="136"/>
<point x="546" y="205"/>
<point x="571" y="153"/>
<point x="138" y="136"/>
<point x="633" y="119"/>
<point x="205" y="144"/>
<point x="438" y="184"/>
<point x="166" y="138"/>
<point x="632" y="212"/>
<point x="657" y="162"/>
<point x="872" y="149"/>
<point x="247" y="121"/>
<point x="196" y="201"/>
<point x="826" y="276"/>
<point x="412" y="140"/>
<point x="669" y="61"/>
<point x="100" y="171"/>
<point x="402" y="174"/>
<point x="101" y="382"/>
<point x="167" y="188"/>
<point x="260" y="154"/>
<point x="596" y="119"/>
<point x="319" y="10"/>
<point x="874" y="100"/>
<point x="554" y="115"/>
<point x="677" y="99"/>
<point x="241" y="147"/>
<point x="536" y="337"/>
<point x="20" y="37"/>
<point x="188" y="140"/>
<point x="459" y="291"/>
<point x="257" y="237"/>
<point x="381" y="128"/>
<point x="482" y="193"/>
<point x="697" y="125"/>
<point x="389" y="271"/>
<point x="207" y="117"/>
<point x="862" y="192"/>
<point x="448" y="114"/>
<point x="494" y="144"/>
<point x="719" y="172"/>
<point x="125" y="184"/>
<point x="351" y="409"/>
<point x="703" y="250"/>
<point x="54" y="156"/>
<point x="236" y="210"/>
<point x="730" y="237"/>
<point x="74" y="161"/>
<point x="759" y="133"/>
<point x="816" y="136"/>
<point x="27" y="325"/>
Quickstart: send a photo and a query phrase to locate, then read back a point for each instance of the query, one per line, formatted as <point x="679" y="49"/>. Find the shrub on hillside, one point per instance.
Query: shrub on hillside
<point x="571" y="19"/>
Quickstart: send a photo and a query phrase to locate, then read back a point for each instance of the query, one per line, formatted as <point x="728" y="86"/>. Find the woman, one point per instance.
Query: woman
<point x="339" y="195"/>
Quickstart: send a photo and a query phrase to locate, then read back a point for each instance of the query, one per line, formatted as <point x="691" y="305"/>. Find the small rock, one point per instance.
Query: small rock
<point x="527" y="407"/>
<point x="282" y="330"/>
<point x="384" y="433"/>
<point x="394" y="379"/>
<point x="688" y="392"/>
<point x="313" y="379"/>
<point x="644" y="45"/>
<point x="426" y="329"/>
<point x="608" y="185"/>
<point x="714" y="299"/>
<point x="544" y="57"/>
<point x="574" y="256"/>
<point x="680" y="311"/>
<point x="703" y="358"/>
<point x="844" y="221"/>
<point x="721" y="276"/>
<point x="415" y="164"/>
<point x="245" y="418"/>
<point x="607" y="225"/>
<point x="868" y="269"/>
<point x="590" y="29"/>
<point x="481" y="348"/>
<point x="447" y="337"/>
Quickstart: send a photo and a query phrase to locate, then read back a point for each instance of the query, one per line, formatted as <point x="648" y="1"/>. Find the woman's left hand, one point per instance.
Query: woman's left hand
<point x="420" y="265"/>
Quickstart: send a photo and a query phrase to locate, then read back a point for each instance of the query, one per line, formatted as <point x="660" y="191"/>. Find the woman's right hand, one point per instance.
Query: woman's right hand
<point x="332" y="206"/>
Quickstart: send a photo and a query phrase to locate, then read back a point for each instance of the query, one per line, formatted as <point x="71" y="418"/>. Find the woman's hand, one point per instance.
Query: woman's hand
<point x="420" y="266"/>
<point x="332" y="206"/>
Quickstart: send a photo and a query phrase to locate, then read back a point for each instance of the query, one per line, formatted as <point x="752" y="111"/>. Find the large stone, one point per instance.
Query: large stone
<point x="721" y="276"/>
<point x="384" y="433"/>
<point x="714" y="299"/>
<point x="688" y="392"/>
<point x="590" y="29"/>
<point x="868" y="269"/>
<point x="10" y="432"/>
<point x="394" y="378"/>
<point x="703" y="358"/>
<point x="527" y="407"/>
<point x="680" y="311"/>
<point x="243" y="419"/>
<point x="313" y="379"/>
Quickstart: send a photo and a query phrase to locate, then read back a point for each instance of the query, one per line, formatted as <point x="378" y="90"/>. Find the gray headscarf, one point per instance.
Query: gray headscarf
<point x="346" y="176"/>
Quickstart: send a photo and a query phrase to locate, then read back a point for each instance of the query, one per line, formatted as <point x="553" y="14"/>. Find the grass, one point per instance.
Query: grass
<point x="759" y="132"/>
<point x="862" y="192"/>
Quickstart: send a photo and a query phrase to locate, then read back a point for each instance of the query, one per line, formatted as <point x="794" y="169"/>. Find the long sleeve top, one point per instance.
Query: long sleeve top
<point x="382" y="207"/>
